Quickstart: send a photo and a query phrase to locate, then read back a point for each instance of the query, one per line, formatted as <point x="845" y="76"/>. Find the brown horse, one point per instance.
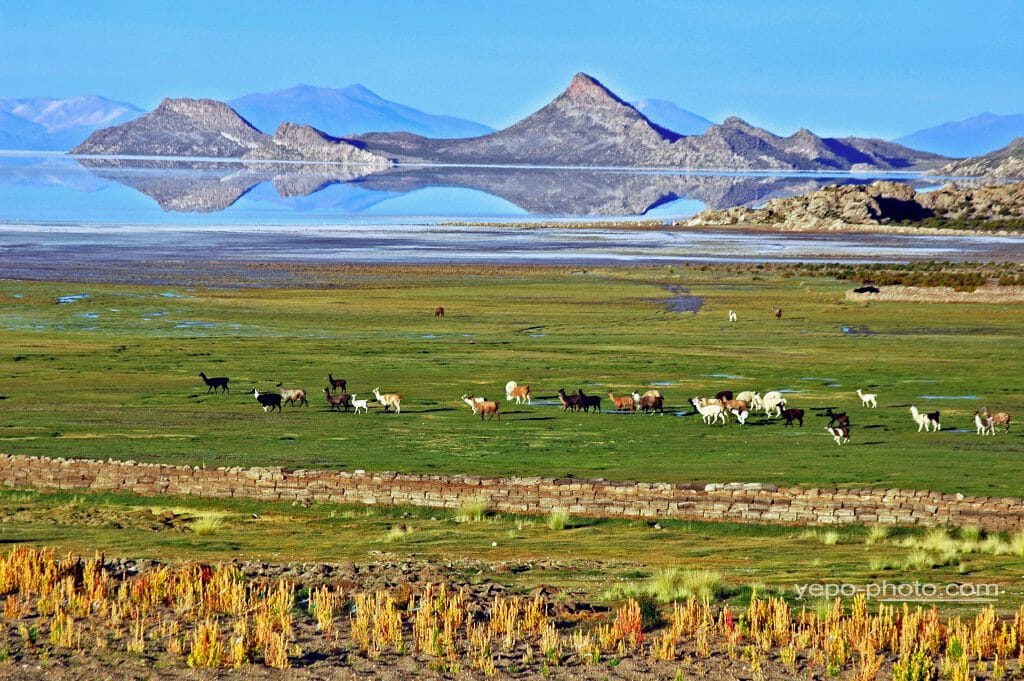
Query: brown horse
<point x="439" y="312"/>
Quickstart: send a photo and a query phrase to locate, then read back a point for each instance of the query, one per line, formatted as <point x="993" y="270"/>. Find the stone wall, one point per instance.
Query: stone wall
<point x="732" y="502"/>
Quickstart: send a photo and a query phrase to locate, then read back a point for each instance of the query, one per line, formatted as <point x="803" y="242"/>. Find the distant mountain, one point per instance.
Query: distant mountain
<point x="588" y="125"/>
<point x="208" y="128"/>
<point x="672" y="117"/>
<point x="1004" y="164"/>
<point x="970" y="137"/>
<point x="348" y="111"/>
<point x="57" y="124"/>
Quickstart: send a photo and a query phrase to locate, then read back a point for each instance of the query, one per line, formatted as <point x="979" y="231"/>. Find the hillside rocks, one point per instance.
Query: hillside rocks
<point x="1006" y="163"/>
<point x="588" y="125"/>
<point x="179" y="127"/>
<point x="879" y="203"/>
<point x="303" y="143"/>
<point x="208" y="128"/>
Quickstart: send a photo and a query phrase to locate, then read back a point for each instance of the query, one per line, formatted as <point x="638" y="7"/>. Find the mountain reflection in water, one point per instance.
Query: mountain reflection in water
<point x="195" y="186"/>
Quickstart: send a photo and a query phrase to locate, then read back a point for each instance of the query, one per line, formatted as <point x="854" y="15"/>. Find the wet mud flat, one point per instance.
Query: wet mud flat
<point x="170" y="254"/>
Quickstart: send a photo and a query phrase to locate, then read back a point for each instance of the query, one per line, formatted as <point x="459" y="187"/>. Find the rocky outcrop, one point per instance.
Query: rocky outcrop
<point x="878" y="203"/>
<point x="588" y="125"/>
<point x="208" y="128"/>
<point x="179" y="127"/>
<point x="1006" y="163"/>
<point x="303" y="143"/>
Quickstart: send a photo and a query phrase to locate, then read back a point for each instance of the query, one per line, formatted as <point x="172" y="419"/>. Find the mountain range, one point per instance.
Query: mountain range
<point x="1003" y="164"/>
<point x="47" y="124"/>
<point x="586" y="125"/>
<point x="973" y="136"/>
<point x="347" y="111"/>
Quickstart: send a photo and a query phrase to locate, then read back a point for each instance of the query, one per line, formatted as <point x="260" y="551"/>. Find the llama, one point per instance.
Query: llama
<point x="773" y="402"/>
<point x="337" y="401"/>
<point x="569" y="402"/>
<point x="649" y="403"/>
<point x="473" y="402"/>
<point x="923" y="420"/>
<point x="439" y="312"/>
<point x="1000" y="418"/>
<point x="293" y="395"/>
<point x="741" y="415"/>
<point x="933" y="417"/>
<point x="363" y="404"/>
<point x="388" y="400"/>
<point x="520" y="393"/>
<point x="983" y="425"/>
<point x="777" y="311"/>
<point x="840" y="435"/>
<point x="214" y="383"/>
<point x="709" y="413"/>
<point x="739" y="405"/>
<point x="336" y="383"/>
<point x="751" y="398"/>
<point x="732" y="316"/>
<point x="269" y="401"/>
<point x="490" y="409"/>
<point x="509" y="387"/>
<point x="868" y="399"/>
<point x="723" y="395"/>
<point x="837" y="419"/>
<point x="793" y="415"/>
<point x="622" y="403"/>
<point x="588" y="402"/>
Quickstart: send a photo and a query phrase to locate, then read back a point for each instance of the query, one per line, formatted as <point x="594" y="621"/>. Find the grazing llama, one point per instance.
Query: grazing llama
<point x="928" y="422"/>
<point x="868" y="399"/>
<point x="388" y="400"/>
<point x="1000" y="418"/>
<point x="983" y="425"/>
<point x="732" y="315"/>
<point x="840" y="435"/>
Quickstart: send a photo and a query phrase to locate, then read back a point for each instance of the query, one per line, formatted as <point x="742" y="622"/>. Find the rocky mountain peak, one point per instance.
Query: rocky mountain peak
<point x="584" y="88"/>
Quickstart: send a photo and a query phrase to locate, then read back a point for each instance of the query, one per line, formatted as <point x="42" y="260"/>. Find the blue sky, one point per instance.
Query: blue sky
<point x="873" y="68"/>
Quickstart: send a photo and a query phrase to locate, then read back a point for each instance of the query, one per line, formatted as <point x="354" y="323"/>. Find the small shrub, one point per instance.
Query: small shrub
<point x="919" y="559"/>
<point x="397" y="532"/>
<point x="472" y="511"/>
<point x="830" y="538"/>
<point x="558" y="519"/>
<point x="877" y="534"/>
<point x="206" y="525"/>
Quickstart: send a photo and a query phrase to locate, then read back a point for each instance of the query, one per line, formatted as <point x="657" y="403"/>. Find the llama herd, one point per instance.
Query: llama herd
<point x="717" y="410"/>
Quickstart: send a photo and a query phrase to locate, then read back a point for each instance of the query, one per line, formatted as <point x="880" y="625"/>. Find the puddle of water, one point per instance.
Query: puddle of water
<point x="730" y="376"/>
<point x="17" y="295"/>
<point x="858" y="331"/>
<point x="787" y="391"/>
<point x="170" y="294"/>
<point x="833" y="385"/>
<point x="71" y="299"/>
<point x="88" y="315"/>
<point x="150" y="315"/>
<point x="196" y="325"/>
<point x="662" y="383"/>
<point x="428" y="336"/>
<point x="538" y="335"/>
<point x="817" y="378"/>
<point x="114" y="309"/>
<point x="682" y="301"/>
<point x="949" y="397"/>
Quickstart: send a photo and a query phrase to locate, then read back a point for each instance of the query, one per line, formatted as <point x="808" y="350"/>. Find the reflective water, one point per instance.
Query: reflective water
<point x="139" y="191"/>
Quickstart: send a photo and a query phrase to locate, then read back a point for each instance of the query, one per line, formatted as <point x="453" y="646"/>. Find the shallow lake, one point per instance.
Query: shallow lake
<point x="58" y="212"/>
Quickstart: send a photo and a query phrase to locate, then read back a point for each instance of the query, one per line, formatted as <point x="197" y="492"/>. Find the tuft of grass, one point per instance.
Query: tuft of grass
<point x="668" y="585"/>
<point x="1017" y="544"/>
<point x="994" y="545"/>
<point x="879" y="565"/>
<point x="876" y="534"/>
<point x="398" y="532"/>
<point x="206" y="525"/>
<point x="919" y="559"/>
<point x="830" y="538"/>
<point x="472" y="511"/>
<point x="558" y="519"/>
<point x="970" y="533"/>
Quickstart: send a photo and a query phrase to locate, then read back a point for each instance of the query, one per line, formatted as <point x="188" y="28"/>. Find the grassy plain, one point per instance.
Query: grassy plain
<point x="115" y="375"/>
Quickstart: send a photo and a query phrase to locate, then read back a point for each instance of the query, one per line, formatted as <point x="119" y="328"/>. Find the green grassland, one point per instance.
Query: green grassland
<point x="115" y="375"/>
